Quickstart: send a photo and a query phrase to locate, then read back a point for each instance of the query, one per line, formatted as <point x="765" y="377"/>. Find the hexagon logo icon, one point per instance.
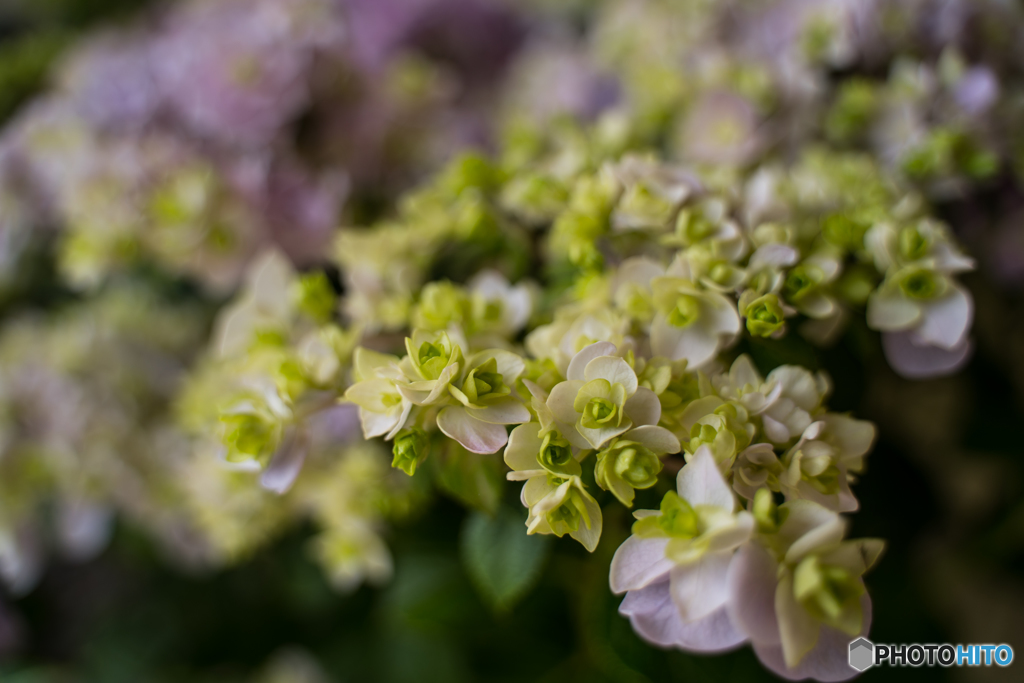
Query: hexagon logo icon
<point x="862" y="654"/>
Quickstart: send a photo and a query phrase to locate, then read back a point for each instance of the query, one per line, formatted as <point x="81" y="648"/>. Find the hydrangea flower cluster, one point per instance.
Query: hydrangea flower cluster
<point x="680" y="186"/>
<point x="211" y="130"/>
<point x="623" y="364"/>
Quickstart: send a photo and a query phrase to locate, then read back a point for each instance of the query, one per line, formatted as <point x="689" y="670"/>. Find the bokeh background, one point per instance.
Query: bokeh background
<point x="106" y="106"/>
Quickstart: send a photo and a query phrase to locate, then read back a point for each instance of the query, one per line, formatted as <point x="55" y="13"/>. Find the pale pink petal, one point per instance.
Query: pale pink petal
<point x="914" y="361"/>
<point x="947" y="320"/>
<point x="828" y="661"/>
<point x="752" y="580"/>
<point x="655" y="618"/>
<point x="701" y="483"/>
<point x="700" y="588"/>
<point x="286" y="465"/>
<point x="506" y="412"/>
<point x="474" y="435"/>
<point x="639" y="562"/>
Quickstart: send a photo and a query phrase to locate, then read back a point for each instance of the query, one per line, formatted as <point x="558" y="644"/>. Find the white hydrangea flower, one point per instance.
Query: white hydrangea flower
<point x="924" y="314"/>
<point x="572" y="330"/>
<point x="383" y="408"/>
<point x="673" y="568"/>
<point x="601" y="398"/>
<point x="801" y="600"/>
<point x="499" y="308"/>
<point x="651" y="194"/>
<point x="486" y="402"/>
<point x="691" y="322"/>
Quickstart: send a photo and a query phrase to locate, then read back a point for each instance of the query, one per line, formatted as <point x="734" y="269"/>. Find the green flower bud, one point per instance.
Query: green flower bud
<point x="470" y="171"/>
<point x="535" y="195"/>
<point x="801" y="281"/>
<point x="677" y="520"/>
<point x="556" y="457"/>
<point x="410" y="449"/>
<point x="567" y="517"/>
<point x="856" y="105"/>
<point x="693" y="227"/>
<point x="314" y="296"/>
<point x="627" y="462"/>
<point x="766" y="512"/>
<point x="441" y="304"/>
<point x="844" y="231"/>
<point x="484" y="383"/>
<point x="830" y="594"/>
<point x="764" y="316"/>
<point x="685" y="312"/>
<point x="585" y="255"/>
<point x="641" y="200"/>
<point x="434" y="353"/>
<point x="912" y="244"/>
<point x="598" y="413"/>
<point x="856" y="283"/>
<point x="291" y="378"/>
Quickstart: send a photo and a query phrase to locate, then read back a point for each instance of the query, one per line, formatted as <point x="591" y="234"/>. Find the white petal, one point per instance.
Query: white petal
<point x="561" y="400"/>
<point x="700" y="588"/>
<point x="913" y="361"/>
<point x="474" y="435"/>
<point x="639" y="562"/>
<point x="947" y="320"/>
<point x="828" y="661"/>
<point x="643" y="407"/>
<point x="701" y="483"/>
<point x="613" y="369"/>
<point x="596" y="438"/>
<point x="655" y="618"/>
<point x="523" y="446"/>
<point x="719" y="312"/>
<point x="752" y="580"/>
<point x="658" y="439"/>
<point x="890" y="313"/>
<point x="798" y="630"/>
<point x="508" y="411"/>
<point x="377" y="424"/>
<point x="693" y="343"/>
<point x="579" y="362"/>
<point x="590" y="536"/>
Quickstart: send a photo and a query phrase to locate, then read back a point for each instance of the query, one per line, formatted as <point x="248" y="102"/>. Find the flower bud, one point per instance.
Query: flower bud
<point x="410" y="449"/>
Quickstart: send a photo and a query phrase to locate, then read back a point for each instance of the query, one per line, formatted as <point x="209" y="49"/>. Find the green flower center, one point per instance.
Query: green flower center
<point x="556" y="455"/>
<point x="432" y="360"/>
<point x="485" y="383"/>
<point x="637" y="465"/>
<point x="824" y="591"/>
<point x="843" y="231"/>
<point x="598" y="413"/>
<point x="913" y="245"/>
<point x="801" y="281"/>
<point x="678" y="518"/>
<point x="685" y="312"/>
<point x="764" y="316"/>
<point x="920" y="284"/>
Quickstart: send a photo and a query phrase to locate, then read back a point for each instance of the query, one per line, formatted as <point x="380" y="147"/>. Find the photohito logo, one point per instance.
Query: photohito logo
<point x="864" y="654"/>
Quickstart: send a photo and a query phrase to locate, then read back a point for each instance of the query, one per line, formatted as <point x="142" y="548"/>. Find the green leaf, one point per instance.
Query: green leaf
<point x="502" y="561"/>
<point x="476" y="481"/>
